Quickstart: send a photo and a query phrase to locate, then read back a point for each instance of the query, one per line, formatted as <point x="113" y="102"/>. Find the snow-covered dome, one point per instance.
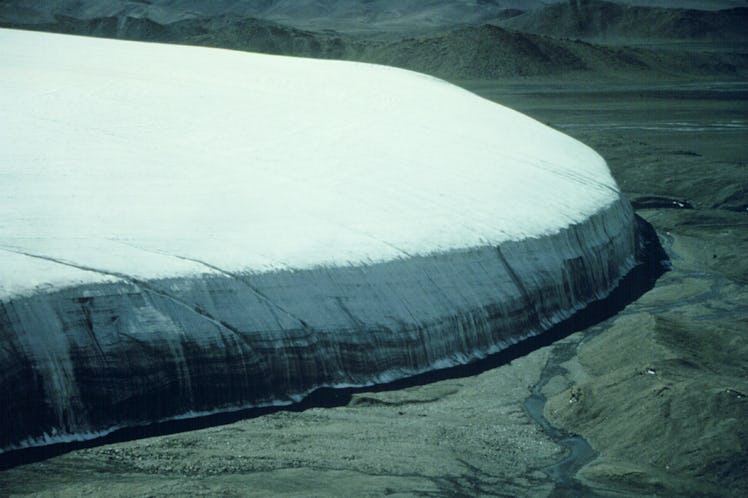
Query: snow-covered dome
<point x="129" y="157"/>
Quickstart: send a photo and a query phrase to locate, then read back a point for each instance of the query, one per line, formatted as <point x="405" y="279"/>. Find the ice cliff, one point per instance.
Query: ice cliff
<point x="187" y="230"/>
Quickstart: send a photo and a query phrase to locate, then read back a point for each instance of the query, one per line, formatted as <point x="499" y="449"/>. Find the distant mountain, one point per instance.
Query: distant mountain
<point x="483" y="52"/>
<point x="475" y="52"/>
<point x="600" y="20"/>
<point x="490" y="52"/>
<point x="124" y="28"/>
<point x="394" y="18"/>
<point x="348" y="16"/>
<point x="224" y="31"/>
<point x="389" y="16"/>
<point x="258" y="35"/>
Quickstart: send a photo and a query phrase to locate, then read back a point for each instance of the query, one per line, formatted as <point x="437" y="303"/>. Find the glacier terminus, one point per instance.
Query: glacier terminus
<point x="187" y="230"/>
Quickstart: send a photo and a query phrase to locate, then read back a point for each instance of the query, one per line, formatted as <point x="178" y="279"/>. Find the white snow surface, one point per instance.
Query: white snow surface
<point x="125" y="159"/>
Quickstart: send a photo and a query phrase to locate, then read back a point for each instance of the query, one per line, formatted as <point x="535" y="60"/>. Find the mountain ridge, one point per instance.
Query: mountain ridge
<point x="484" y="51"/>
<point x="602" y="21"/>
<point x="384" y="18"/>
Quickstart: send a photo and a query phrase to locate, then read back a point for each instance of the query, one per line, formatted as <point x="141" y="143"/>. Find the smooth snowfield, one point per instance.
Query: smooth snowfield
<point x="147" y="160"/>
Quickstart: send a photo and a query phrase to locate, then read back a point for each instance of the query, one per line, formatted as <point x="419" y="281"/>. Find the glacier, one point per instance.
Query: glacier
<point x="189" y="230"/>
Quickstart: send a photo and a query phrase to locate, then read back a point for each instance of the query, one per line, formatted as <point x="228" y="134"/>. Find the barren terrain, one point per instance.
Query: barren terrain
<point x="652" y="401"/>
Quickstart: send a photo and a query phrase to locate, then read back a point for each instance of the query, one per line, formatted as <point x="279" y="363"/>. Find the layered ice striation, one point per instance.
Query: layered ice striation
<point x="188" y="230"/>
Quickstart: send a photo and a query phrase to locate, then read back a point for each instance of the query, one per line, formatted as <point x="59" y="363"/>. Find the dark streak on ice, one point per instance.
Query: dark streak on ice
<point x="136" y="282"/>
<point x="254" y="289"/>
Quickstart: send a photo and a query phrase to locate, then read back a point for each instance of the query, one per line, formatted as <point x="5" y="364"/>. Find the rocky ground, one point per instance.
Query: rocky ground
<point x="660" y="390"/>
<point x="657" y="393"/>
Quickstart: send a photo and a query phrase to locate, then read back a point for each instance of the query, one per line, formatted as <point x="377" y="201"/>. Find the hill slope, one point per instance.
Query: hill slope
<point x="607" y="21"/>
<point x="349" y="16"/>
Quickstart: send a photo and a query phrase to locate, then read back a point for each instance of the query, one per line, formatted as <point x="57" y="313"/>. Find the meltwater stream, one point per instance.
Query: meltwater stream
<point x="579" y="451"/>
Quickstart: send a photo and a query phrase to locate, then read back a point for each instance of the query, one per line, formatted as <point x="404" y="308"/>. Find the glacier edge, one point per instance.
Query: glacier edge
<point x="83" y="361"/>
